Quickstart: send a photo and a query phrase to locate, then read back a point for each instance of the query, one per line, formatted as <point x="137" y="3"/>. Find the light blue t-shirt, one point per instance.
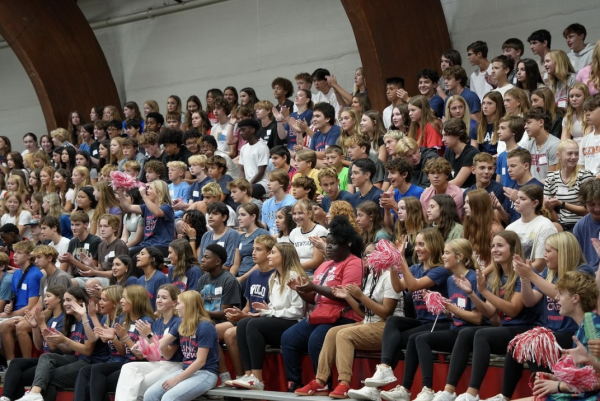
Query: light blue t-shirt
<point x="269" y="211"/>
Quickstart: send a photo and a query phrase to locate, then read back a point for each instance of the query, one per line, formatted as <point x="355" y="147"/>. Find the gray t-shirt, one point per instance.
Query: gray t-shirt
<point x="59" y="277"/>
<point x="107" y="252"/>
<point x="6" y="287"/>
<point x="542" y="157"/>
<point x="223" y="289"/>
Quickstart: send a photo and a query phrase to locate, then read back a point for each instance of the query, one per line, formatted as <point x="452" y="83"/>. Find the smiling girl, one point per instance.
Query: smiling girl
<point x="574" y="124"/>
<point x="424" y="126"/>
<point x="14" y="212"/>
<point x="303" y="216"/>
<point x="285" y="223"/>
<point x="561" y="75"/>
<point x="123" y="271"/>
<point x="371" y="124"/>
<point x="485" y="136"/>
<point x="64" y="188"/>
<point x="184" y="271"/>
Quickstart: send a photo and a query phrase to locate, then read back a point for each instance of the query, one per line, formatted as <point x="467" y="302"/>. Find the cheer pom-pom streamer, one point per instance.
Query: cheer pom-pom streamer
<point x="124" y="181"/>
<point x="578" y="379"/>
<point x="149" y="351"/>
<point x="536" y="345"/>
<point x="434" y="302"/>
<point x="384" y="256"/>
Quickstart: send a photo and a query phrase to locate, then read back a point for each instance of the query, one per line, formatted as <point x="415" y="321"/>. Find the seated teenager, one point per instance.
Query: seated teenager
<point x="184" y="271"/>
<point x="480" y="225"/>
<point x="217" y="215"/>
<point x="442" y="215"/>
<point x="278" y="183"/>
<point x="483" y="170"/>
<point x="484" y="135"/>
<point x="399" y="175"/>
<point x="344" y="250"/>
<point x="411" y="220"/>
<point x="541" y="144"/>
<point x="282" y="159"/>
<point x="281" y="309"/>
<point x="150" y="261"/>
<point x="241" y="192"/>
<point x="254" y="157"/>
<point x="424" y="126"/>
<point x="362" y="171"/>
<point x="438" y="171"/>
<point x="303" y="215"/>
<point x="589" y="226"/>
<point x="458" y="152"/>
<point x="123" y="272"/>
<point x="306" y="161"/>
<point x="418" y="157"/>
<point x="178" y="188"/>
<point x="370" y="222"/>
<point x="358" y="147"/>
<point x="374" y="300"/>
<point x="243" y="261"/>
<point x="330" y="182"/>
<point x="136" y="377"/>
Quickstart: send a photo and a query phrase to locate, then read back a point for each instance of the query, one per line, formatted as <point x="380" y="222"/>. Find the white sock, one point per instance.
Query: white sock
<point x="224" y="377"/>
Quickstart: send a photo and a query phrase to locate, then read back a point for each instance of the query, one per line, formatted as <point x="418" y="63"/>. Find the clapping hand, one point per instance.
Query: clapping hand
<point x="340" y="292"/>
<point x="260" y="306"/>
<point x="464" y="284"/>
<point x="355" y="291"/>
<point x="522" y="267"/>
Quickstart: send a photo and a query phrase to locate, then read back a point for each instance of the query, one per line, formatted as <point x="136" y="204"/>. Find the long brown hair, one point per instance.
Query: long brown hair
<point x="495" y="280"/>
<point x="496" y="97"/>
<point x="415" y="220"/>
<point x="427" y="117"/>
<point x="477" y="227"/>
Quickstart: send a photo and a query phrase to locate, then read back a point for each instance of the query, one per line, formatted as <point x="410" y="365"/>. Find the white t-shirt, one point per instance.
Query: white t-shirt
<point x="576" y="129"/>
<point x="533" y="235"/>
<point x="302" y="243"/>
<point x="219" y="131"/>
<point x="387" y="116"/>
<point x="232" y="169"/>
<point x="61" y="247"/>
<point x="589" y="152"/>
<point x="504" y="89"/>
<point x="383" y="289"/>
<point x="542" y="157"/>
<point x="327" y="98"/>
<point x="24" y="218"/>
<point x="478" y="83"/>
<point x="252" y="157"/>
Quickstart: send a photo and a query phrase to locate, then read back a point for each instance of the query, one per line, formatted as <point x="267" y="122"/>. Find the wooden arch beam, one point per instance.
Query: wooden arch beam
<point x="60" y="53"/>
<point x="397" y="38"/>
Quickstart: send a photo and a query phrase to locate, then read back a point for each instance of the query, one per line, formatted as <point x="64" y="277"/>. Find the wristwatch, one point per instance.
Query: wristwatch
<point x="149" y="336"/>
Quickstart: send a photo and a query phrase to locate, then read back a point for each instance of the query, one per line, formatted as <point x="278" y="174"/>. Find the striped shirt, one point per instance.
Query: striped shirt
<point x="556" y="187"/>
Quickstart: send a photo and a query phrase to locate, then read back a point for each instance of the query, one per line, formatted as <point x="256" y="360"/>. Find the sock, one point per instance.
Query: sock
<point x="224" y="377"/>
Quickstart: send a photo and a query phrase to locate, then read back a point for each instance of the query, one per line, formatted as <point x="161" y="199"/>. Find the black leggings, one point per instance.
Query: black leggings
<point x="513" y="370"/>
<point x="94" y="382"/>
<point x="253" y="334"/>
<point x="483" y="341"/>
<point x="418" y="351"/>
<point x="396" y="333"/>
<point x="20" y="373"/>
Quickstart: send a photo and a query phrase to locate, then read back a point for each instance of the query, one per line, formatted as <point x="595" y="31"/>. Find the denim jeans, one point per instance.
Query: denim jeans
<point x="194" y="386"/>
<point x="299" y="338"/>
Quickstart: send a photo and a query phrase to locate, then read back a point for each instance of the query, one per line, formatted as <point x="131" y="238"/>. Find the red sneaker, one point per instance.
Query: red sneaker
<point x="313" y="388"/>
<point x="341" y="391"/>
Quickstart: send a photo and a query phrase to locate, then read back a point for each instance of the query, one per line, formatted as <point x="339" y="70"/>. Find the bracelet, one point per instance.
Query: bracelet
<point x="233" y="125"/>
<point x="471" y="293"/>
<point x="126" y="338"/>
<point x="192" y="239"/>
<point x="86" y="323"/>
<point x="558" y="387"/>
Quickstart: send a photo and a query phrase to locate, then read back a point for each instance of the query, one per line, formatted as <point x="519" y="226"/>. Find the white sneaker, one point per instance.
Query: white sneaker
<point x="31" y="397"/>
<point x="365" y="393"/>
<point x="467" y="397"/>
<point x="249" y="382"/>
<point x="426" y="394"/>
<point x="383" y="375"/>
<point x="4" y="398"/>
<point x="398" y="393"/>
<point x="228" y="383"/>
<point x="498" y="397"/>
<point x="444" y="396"/>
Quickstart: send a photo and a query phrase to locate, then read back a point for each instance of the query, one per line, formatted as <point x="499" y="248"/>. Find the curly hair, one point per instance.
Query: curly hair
<point x="290" y="224"/>
<point x="343" y="208"/>
<point x="197" y="220"/>
<point x="343" y="232"/>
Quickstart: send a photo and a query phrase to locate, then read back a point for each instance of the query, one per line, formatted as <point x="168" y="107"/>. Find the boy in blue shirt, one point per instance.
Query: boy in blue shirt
<point x="278" y="184"/>
<point x="217" y="215"/>
<point x="328" y="177"/>
<point x="510" y="131"/>
<point x="399" y="174"/>
<point x="428" y="80"/>
<point x="361" y="172"/>
<point x="327" y="132"/>
<point x="178" y="188"/>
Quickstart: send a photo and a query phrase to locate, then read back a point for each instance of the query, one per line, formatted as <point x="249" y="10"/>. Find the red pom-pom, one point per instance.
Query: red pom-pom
<point x="536" y="345"/>
<point x="384" y="256"/>
<point x="150" y="351"/>
<point x="124" y="181"/>
<point x="434" y="301"/>
<point x="578" y="379"/>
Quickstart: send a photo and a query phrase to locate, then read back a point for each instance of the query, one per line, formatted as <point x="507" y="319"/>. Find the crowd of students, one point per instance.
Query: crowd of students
<point x="258" y="217"/>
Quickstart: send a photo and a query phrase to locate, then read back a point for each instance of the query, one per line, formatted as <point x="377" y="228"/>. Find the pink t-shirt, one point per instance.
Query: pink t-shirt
<point x="454" y="191"/>
<point x="583" y="76"/>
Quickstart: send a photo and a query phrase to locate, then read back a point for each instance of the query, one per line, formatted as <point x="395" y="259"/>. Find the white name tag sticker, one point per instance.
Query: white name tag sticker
<point x="562" y="103"/>
<point x="240" y="247"/>
<point x="461" y="302"/>
<point x="562" y="190"/>
<point x="95" y="152"/>
<point x="221" y="243"/>
<point x="543" y="160"/>
<point x="184" y="280"/>
<point x="132" y="327"/>
<point x="503" y="170"/>
<point x="453" y="174"/>
<point x="54" y="324"/>
<point x="111" y="254"/>
<point x="86" y="246"/>
<point x="219" y="291"/>
<point x="72" y="328"/>
<point x="24" y="286"/>
<point x="195" y="193"/>
<point x="172" y="193"/>
<point x="166" y="331"/>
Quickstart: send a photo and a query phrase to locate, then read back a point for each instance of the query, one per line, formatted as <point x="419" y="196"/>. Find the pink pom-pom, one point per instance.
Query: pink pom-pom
<point x="150" y="351"/>
<point x="434" y="301"/>
<point x="536" y="345"/>
<point x="384" y="256"/>
<point x="124" y="181"/>
<point x="578" y="379"/>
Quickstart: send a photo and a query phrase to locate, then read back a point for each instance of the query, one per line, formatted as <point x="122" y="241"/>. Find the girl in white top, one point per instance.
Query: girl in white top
<point x="285" y="224"/>
<point x="285" y="309"/>
<point x="532" y="228"/>
<point x="574" y="125"/>
<point x="303" y="216"/>
<point x="64" y="187"/>
<point x="14" y="212"/>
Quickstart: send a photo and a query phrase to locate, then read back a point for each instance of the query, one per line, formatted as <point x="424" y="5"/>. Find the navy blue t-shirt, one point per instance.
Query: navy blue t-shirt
<point x="472" y="100"/>
<point x="437" y="105"/>
<point x="153" y="284"/>
<point x="257" y="287"/>
<point x="528" y="316"/>
<point x="54" y="323"/>
<point x="373" y="195"/>
<point x="160" y="329"/>
<point x="494" y="187"/>
<point x="195" y="192"/>
<point x="226" y="179"/>
<point x="158" y="231"/>
<point x="205" y="337"/>
<point x="319" y="142"/>
<point x="189" y="280"/>
<point x="343" y="196"/>
<point x="439" y="275"/>
<point x="486" y="146"/>
<point x="509" y="205"/>
<point x="461" y="300"/>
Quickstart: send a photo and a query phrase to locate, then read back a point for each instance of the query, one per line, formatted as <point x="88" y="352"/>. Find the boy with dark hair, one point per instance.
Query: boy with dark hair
<point x="86" y="133"/>
<point x="581" y="53"/>
<point x="83" y="243"/>
<point x="154" y="170"/>
<point x="254" y="157"/>
<point x="334" y="157"/>
<point x="399" y="174"/>
<point x="328" y="177"/>
<point x="477" y="54"/>
<point x="456" y="81"/>
<point x="510" y="131"/>
<point x="459" y="152"/>
<point x="134" y="129"/>
<point x="304" y="188"/>
<point x="100" y="134"/>
<point x="172" y="140"/>
<point x="359" y="147"/>
<point x="428" y="81"/>
<point x="51" y="230"/>
<point x="209" y="147"/>
<point x="394" y="86"/>
<point x="542" y="146"/>
<point x="362" y="171"/>
<point x="173" y="120"/>
<point x="539" y="43"/>
<point x="278" y="184"/>
<point x="589" y="225"/>
<point x="327" y="132"/>
<point x="325" y="92"/>
<point x="303" y="81"/>
<point x="514" y="49"/>
<point x="281" y="159"/>
<point x="589" y="156"/>
<point x="130" y="149"/>
<point x="114" y="129"/>
<point x="502" y="66"/>
<point x="217" y="214"/>
<point x="10" y="235"/>
<point x="217" y="170"/>
<point x="519" y="166"/>
<point x="211" y="193"/>
<point x="150" y="142"/>
<point x="282" y="90"/>
<point x="483" y="169"/>
<point x="154" y="122"/>
<point x="190" y="141"/>
<point x="221" y="110"/>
